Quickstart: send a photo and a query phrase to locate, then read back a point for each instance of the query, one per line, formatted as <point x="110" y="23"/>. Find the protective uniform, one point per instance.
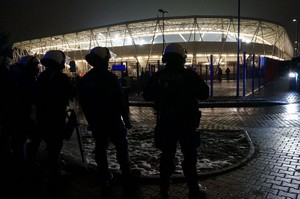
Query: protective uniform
<point x="175" y="91"/>
<point x="5" y="94"/>
<point x="54" y="90"/>
<point x="21" y="117"/>
<point x="105" y="109"/>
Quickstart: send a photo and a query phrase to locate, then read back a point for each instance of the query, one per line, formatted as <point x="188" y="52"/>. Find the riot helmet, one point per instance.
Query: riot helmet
<point x="98" y="56"/>
<point x="29" y="59"/>
<point x="174" y="52"/>
<point x="54" y="59"/>
<point x="30" y="63"/>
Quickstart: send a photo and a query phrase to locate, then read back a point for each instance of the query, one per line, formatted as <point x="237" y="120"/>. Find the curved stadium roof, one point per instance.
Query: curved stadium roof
<point x="142" y="41"/>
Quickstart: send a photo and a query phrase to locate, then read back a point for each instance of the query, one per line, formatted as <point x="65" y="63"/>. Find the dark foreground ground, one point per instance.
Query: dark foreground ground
<point x="272" y="171"/>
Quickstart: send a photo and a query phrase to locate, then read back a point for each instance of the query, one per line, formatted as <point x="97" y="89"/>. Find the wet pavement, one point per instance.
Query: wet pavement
<point x="271" y="118"/>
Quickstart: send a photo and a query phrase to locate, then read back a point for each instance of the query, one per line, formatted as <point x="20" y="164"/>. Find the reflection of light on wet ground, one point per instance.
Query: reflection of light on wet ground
<point x="229" y="87"/>
<point x="291" y="97"/>
<point x="292" y="108"/>
<point x="292" y="111"/>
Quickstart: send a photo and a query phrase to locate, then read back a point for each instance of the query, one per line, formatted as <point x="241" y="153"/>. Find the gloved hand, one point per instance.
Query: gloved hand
<point x="127" y="124"/>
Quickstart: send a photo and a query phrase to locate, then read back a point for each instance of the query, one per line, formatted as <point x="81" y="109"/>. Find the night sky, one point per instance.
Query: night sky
<point x="40" y="18"/>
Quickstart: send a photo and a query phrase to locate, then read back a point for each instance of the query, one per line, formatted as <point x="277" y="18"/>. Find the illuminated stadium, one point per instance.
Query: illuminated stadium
<point x="139" y="44"/>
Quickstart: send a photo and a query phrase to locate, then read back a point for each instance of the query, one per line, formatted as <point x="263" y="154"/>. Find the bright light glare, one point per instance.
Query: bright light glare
<point x="293" y="74"/>
<point x="292" y="111"/>
<point x="292" y="108"/>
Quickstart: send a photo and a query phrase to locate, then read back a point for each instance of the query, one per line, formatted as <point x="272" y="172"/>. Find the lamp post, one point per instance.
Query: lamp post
<point x="296" y="40"/>
<point x="163" y="29"/>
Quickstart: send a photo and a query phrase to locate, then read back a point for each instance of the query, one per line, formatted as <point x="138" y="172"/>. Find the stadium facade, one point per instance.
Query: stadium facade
<point x="139" y="44"/>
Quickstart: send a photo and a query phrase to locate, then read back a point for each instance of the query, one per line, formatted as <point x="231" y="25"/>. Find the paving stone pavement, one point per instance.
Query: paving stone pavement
<point x="272" y="172"/>
<point x="274" y="169"/>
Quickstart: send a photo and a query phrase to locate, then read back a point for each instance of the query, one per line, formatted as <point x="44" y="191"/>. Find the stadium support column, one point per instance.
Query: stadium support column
<point x="238" y="53"/>
<point x="211" y="75"/>
<point x="137" y="71"/>
<point x="244" y="74"/>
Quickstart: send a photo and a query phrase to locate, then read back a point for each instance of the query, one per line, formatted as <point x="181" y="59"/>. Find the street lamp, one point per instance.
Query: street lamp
<point x="163" y="29"/>
<point x="296" y="41"/>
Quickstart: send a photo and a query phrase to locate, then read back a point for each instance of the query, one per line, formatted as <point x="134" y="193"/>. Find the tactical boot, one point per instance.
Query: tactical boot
<point x="199" y="193"/>
<point x="164" y="190"/>
<point x="105" y="178"/>
<point x="164" y="194"/>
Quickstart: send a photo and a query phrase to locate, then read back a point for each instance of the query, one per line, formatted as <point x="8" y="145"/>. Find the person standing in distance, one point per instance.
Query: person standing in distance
<point x="175" y="92"/>
<point x="53" y="93"/>
<point x="106" y="111"/>
<point x="227" y="71"/>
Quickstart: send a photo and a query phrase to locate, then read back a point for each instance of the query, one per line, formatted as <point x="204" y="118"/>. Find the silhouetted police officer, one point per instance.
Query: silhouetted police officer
<point x="6" y="55"/>
<point x="22" y="116"/>
<point x="175" y="91"/>
<point x="106" y="112"/>
<point x="53" y="93"/>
